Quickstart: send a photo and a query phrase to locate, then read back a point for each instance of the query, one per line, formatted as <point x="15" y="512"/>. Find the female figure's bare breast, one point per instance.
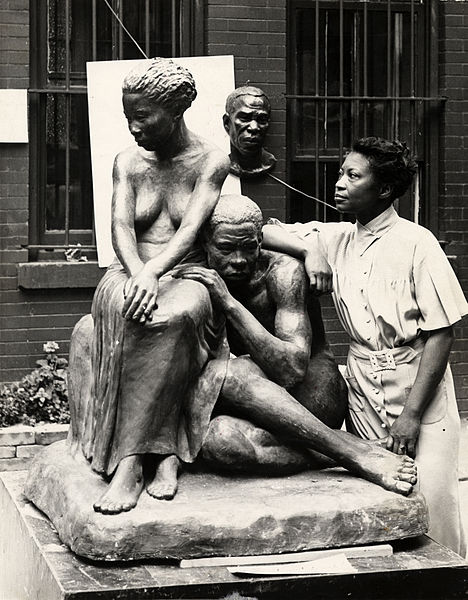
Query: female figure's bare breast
<point x="162" y="192"/>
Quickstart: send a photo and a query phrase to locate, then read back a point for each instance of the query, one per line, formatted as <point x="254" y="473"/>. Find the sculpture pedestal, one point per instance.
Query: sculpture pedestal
<point x="34" y="565"/>
<point x="214" y="515"/>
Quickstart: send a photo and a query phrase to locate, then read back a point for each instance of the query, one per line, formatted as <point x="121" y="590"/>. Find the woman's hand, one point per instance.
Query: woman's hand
<point x="140" y="293"/>
<point x="319" y="272"/>
<point x="404" y="434"/>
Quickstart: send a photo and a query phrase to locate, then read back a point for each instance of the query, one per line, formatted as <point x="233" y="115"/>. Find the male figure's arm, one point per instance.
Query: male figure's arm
<point x="283" y="354"/>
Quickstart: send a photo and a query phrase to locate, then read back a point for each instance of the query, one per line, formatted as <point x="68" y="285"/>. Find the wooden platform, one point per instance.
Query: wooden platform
<point x="34" y="565"/>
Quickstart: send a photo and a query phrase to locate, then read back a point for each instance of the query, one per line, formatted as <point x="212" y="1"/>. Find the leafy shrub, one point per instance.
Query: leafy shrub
<point x="40" y="396"/>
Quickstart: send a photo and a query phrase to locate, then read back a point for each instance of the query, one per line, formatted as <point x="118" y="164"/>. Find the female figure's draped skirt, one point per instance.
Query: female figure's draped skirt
<point x="154" y="385"/>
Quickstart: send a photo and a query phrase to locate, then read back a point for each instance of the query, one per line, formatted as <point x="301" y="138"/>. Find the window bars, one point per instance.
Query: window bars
<point x="359" y="68"/>
<point x="63" y="38"/>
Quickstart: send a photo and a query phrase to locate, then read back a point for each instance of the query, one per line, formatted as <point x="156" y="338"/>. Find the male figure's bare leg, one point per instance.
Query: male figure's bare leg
<point x="248" y="393"/>
<point x="125" y="487"/>
<point x="323" y="390"/>
<point x="237" y="446"/>
<point x="164" y="483"/>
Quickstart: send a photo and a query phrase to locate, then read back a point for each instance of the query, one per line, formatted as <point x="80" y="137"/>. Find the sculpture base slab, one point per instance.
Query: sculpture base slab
<point x="34" y="565"/>
<point x="215" y="515"/>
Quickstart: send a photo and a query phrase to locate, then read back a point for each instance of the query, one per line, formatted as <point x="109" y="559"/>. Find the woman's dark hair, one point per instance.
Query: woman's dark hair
<point x="391" y="163"/>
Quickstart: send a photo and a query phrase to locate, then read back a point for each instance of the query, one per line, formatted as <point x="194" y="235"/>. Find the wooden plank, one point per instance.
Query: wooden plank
<point x="293" y="557"/>
<point x="337" y="564"/>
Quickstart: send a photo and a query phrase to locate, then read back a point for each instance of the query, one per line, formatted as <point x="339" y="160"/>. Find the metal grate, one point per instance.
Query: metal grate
<point x="356" y="69"/>
<point x="64" y="37"/>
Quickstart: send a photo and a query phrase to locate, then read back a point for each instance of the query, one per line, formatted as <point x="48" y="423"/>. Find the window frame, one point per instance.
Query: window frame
<point x="187" y="40"/>
<point x="427" y="29"/>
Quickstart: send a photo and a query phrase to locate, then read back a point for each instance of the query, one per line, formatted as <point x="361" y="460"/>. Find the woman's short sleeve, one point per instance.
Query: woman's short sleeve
<point x="330" y="233"/>
<point x="438" y="293"/>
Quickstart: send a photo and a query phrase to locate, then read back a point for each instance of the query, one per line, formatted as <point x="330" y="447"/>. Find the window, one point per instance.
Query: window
<point x="360" y="68"/>
<point x="64" y="37"/>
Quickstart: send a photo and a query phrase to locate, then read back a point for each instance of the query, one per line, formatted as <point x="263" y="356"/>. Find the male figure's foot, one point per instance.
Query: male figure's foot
<point x="394" y="472"/>
<point x="124" y="489"/>
<point x="164" y="484"/>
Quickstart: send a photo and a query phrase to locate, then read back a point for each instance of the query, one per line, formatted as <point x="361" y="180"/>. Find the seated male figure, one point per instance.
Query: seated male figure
<point x="282" y="379"/>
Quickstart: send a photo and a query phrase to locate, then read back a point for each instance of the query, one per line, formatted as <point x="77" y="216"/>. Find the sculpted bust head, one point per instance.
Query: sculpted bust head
<point x="246" y="121"/>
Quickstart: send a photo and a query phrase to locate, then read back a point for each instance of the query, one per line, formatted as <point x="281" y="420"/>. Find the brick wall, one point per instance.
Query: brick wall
<point x="27" y="319"/>
<point x="254" y="32"/>
<point x="453" y="60"/>
<point x="20" y="443"/>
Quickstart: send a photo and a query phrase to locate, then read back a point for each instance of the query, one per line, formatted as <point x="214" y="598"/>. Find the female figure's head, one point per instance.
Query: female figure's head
<point x="155" y="97"/>
<point x="374" y="174"/>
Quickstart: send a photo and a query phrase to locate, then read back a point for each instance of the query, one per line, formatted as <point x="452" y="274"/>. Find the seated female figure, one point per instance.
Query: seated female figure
<point x="154" y="337"/>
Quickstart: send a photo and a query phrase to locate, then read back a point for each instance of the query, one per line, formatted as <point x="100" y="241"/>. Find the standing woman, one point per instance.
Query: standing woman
<point x="397" y="297"/>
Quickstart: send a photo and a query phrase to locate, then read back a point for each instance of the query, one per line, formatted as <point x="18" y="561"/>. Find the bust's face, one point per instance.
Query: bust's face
<point x="150" y="124"/>
<point x="247" y="124"/>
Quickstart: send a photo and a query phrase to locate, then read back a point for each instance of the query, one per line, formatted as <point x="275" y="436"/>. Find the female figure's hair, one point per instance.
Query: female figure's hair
<point x="169" y="84"/>
<point x="391" y="163"/>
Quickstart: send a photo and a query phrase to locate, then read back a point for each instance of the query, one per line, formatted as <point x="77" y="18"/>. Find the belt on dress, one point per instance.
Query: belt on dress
<point x="388" y="359"/>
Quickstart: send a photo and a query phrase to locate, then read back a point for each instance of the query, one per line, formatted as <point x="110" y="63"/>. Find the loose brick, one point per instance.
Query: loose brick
<point x="7" y="451"/>
<point x="14" y="464"/>
<point x="28" y="451"/>
<point x="47" y="434"/>
<point x="17" y="435"/>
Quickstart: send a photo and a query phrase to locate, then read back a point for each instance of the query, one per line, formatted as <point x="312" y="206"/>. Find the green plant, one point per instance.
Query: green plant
<point x="41" y="395"/>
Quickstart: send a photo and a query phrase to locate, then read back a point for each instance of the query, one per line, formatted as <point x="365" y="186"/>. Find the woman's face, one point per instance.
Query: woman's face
<point x="150" y="124"/>
<point x="357" y="190"/>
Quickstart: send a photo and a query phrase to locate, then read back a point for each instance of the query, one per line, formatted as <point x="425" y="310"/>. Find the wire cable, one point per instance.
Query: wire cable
<point x="125" y="29"/>
<point x="302" y="193"/>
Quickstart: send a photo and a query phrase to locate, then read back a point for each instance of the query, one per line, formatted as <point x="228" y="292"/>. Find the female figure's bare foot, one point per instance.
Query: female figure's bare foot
<point x="394" y="472"/>
<point x="164" y="484"/>
<point x="124" y="489"/>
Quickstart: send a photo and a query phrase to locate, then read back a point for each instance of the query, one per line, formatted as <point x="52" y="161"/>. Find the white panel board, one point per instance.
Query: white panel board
<point x="14" y="121"/>
<point x="214" y="78"/>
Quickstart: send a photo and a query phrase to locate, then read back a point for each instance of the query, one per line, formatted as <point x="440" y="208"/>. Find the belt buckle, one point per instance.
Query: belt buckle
<point x="382" y="361"/>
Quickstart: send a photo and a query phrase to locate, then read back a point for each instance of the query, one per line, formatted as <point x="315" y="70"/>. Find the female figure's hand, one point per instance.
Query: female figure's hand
<point x="404" y="434"/>
<point x="140" y="293"/>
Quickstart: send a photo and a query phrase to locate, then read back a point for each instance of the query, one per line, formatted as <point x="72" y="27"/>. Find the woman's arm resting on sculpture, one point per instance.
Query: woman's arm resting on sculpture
<point x="404" y="432"/>
<point x="311" y="252"/>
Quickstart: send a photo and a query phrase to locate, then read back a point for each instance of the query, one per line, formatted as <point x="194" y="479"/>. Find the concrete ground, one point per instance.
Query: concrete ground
<point x="464" y="475"/>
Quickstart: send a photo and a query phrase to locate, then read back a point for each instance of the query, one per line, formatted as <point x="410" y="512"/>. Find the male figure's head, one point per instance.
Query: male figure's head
<point x="233" y="237"/>
<point x="246" y="121"/>
<point x="155" y="97"/>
